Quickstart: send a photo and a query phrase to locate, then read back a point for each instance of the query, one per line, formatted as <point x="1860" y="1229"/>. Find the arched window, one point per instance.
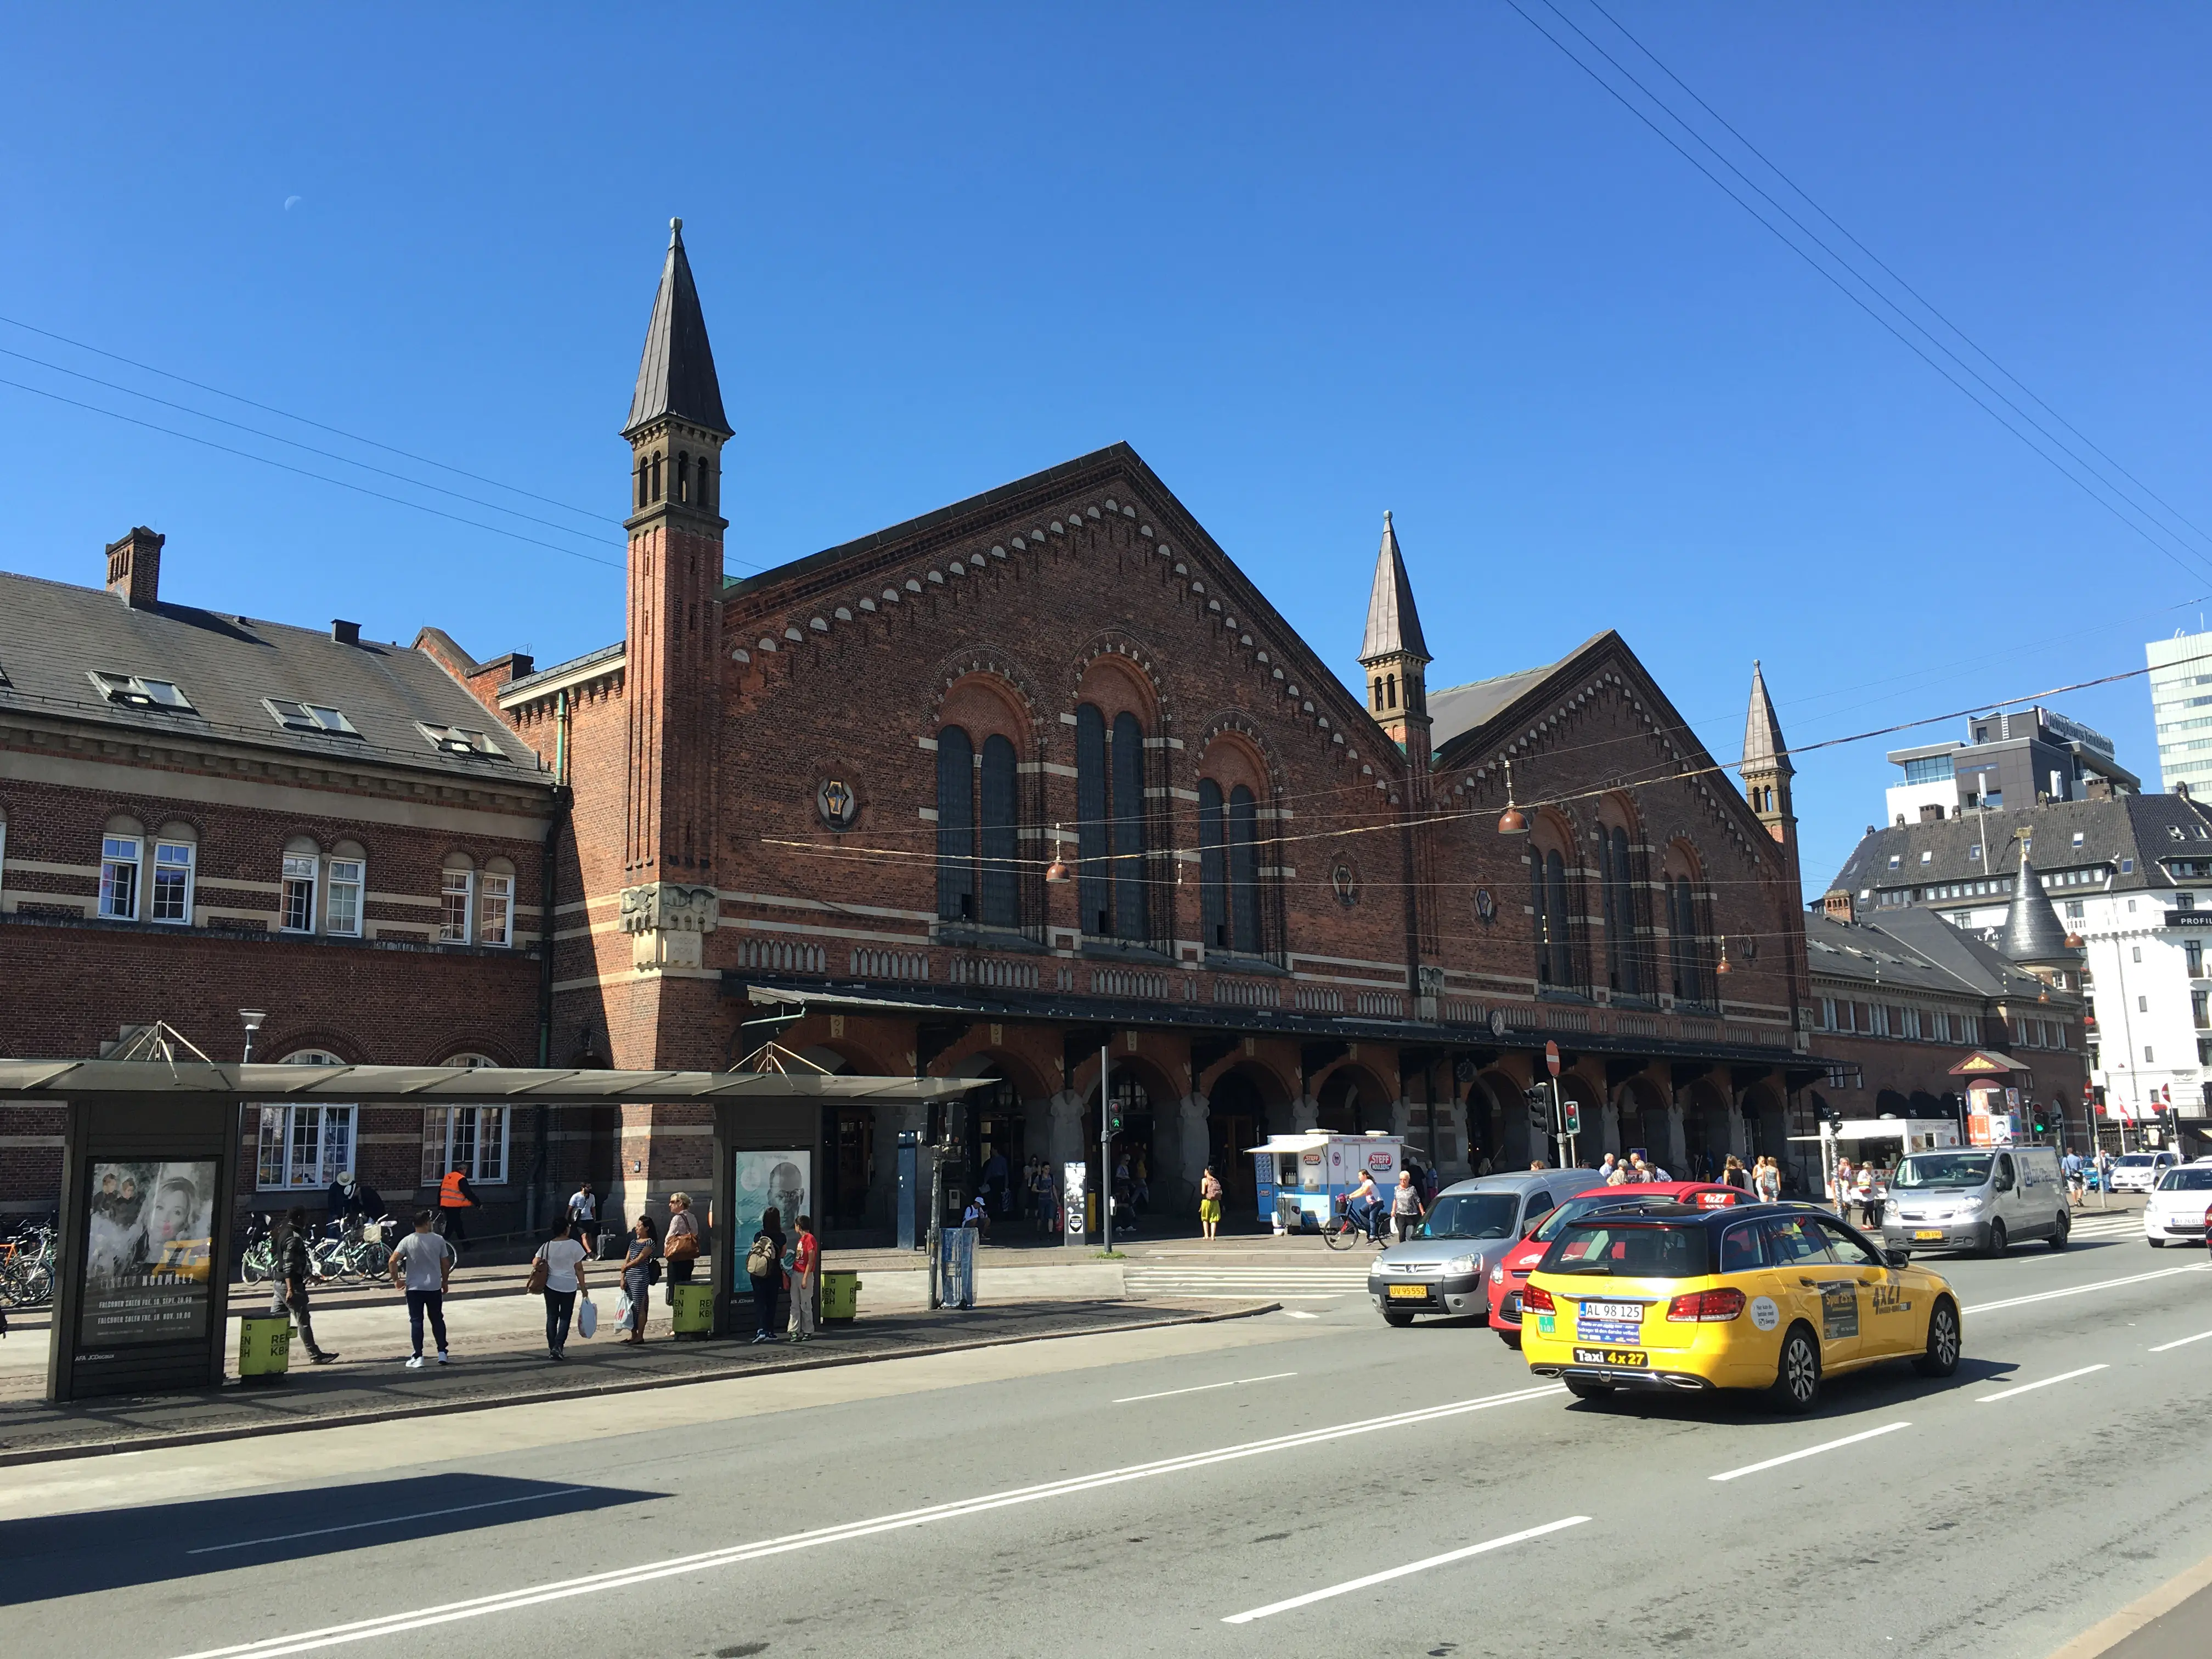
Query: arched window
<point x="1002" y="906"/>
<point x="1094" y="880"/>
<point x="1244" y="869"/>
<point x="306" y="1145"/>
<point x="656" y="477"/>
<point x="955" y="825"/>
<point x="1390" y="690"/>
<point x="1686" y="942"/>
<point x="642" y="482"/>
<point x="1547" y="899"/>
<point x="1213" y="864"/>
<point x="705" y="493"/>
<point x="1130" y="908"/>
<point x="1623" y="958"/>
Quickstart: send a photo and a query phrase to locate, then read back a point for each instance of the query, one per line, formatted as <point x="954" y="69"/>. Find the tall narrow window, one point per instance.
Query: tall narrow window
<point x="173" y="883"/>
<point x="1094" y="881"/>
<point x="1623" y="949"/>
<point x="1130" y="908"/>
<point x="343" y="915"/>
<point x="1244" y="869"/>
<point x="495" y="915"/>
<point x="955" y="825"/>
<point x="683" y="476"/>
<point x="119" y="878"/>
<point x="298" y="912"/>
<point x="997" y="785"/>
<point x="1214" y="861"/>
<point x="456" y="893"/>
<point x="705" y="494"/>
<point x="1556" y="924"/>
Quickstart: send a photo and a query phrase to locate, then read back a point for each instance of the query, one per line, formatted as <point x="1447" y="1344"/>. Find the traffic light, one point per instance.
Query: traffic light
<point x="1571" y="1114"/>
<point x="1539" y="1110"/>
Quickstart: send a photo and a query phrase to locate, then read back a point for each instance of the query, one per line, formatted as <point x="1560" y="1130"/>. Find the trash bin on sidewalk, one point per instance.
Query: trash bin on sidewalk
<point x="265" y="1346"/>
<point x="840" y="1294"/>
<point x="956" y="1267"/>
<point x="693" y="1308"/>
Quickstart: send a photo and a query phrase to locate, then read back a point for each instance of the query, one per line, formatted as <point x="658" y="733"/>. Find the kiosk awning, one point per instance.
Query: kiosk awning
<point x="61" y="1080"/>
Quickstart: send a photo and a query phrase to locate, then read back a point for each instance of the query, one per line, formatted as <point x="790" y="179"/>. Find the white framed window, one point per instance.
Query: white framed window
<point x="119" y="878"/>
<point x="307" y="1144"/>
<point x="495" y="915"/>
<point x="469" y="1139"/>
<point x="136" y="691"/>
<point x="308" y="717"/>
<point x="456" y="897"/>
<point x="297" y="913"/>
<point x="171" y="898"/>
<point x="341" y="896"/>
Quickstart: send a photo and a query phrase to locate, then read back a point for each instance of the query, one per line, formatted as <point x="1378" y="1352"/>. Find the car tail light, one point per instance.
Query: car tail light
<point x="1705" y="1306"/>
<point x="1537" y="1299"/>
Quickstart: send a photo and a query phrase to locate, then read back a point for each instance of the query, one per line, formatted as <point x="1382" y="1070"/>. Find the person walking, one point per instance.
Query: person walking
<point x="1732" y="1173"/>
<point x="638" y="1269"/>
<point x="1407" y="1210"/>
<point x="1209" y="1204"/>
<point x="422" y="1265"/>
<point x="456" y="1198"/>
<point x="680" y="1248"/>
<point x="295" y="1267"/>
<point x="1766" y="1181"/>
<point x="583" y="1217"/>
<point x="764" y="1266"/>
<point x="562" y="1281"/>
<point x="805" y="1275"/>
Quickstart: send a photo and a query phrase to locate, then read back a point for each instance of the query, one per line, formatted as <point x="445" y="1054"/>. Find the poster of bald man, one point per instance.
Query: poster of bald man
<point x="760" y="1181"/>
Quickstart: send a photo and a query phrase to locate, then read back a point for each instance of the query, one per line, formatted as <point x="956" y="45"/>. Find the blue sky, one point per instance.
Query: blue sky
<point x="1310" y="262"/>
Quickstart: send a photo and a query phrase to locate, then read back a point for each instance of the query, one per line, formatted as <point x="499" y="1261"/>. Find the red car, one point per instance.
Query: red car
<point x="1510" y="1274"/>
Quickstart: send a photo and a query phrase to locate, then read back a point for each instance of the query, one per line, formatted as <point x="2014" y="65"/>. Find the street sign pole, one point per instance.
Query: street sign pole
<point x="1106" y="1142"/>
<point x="1568" y="1157"/>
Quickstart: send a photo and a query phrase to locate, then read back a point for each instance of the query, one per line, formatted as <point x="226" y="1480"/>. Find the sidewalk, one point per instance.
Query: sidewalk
<point x="491" y="1368"/>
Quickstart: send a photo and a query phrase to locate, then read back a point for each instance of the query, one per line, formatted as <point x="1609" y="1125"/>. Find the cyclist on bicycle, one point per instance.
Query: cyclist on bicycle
<point x="1364" y="1204"/>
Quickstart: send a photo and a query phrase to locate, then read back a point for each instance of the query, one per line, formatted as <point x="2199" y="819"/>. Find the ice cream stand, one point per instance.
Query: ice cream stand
<point x="1303" y="1178"/>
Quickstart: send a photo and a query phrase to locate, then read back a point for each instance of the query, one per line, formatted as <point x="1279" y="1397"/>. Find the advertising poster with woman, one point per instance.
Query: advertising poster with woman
<point x="148" y="1242"/>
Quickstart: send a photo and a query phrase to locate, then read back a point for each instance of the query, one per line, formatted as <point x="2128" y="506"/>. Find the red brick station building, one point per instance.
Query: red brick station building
<point x="1034" y="773"/>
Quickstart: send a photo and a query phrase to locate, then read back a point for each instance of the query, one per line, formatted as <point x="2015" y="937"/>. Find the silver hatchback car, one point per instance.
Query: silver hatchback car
<point x="1472" y="1222"/>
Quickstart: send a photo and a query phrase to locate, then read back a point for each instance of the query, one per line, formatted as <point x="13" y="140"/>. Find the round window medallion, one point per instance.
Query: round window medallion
<point x="1344" y="883"/>
<point x="1485" y="906"/>
<point x="837" y="804"/>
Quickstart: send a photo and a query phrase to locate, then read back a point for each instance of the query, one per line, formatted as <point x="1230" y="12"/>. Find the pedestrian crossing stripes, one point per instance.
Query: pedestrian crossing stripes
<point x="1224" y="1282"/>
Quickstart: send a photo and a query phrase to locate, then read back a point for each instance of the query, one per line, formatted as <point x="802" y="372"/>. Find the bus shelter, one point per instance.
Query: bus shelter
<point x="139" y="1304"/>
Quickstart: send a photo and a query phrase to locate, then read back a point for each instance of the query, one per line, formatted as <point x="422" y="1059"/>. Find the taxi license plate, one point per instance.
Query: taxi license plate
<point x="1409" y="1292"/>
<point x="1629" y="1360"/>
<point x="1629" y="1312"/>
<point x="1928" y="1232"/>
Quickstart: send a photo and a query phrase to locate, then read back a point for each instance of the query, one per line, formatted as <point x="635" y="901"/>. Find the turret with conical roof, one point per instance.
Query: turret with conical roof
<point x="1765" y="763"/>
<point x="2033" y="936"/>
<point x="676" y="372"/>
<point x="1394" y="653"/>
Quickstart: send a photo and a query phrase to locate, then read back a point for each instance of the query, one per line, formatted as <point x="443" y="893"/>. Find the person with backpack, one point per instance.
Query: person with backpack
<point x="556" y="1273"/>
<point x="764" y="1266"/>
<point x="1209" y="1203"/>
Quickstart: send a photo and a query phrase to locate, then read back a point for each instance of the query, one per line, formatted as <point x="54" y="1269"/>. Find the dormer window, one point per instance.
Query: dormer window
<point x="460" y="740"/>
<point x="308" y="717"/>
<point x="136" y="691"/>
<point x="1974" y="853"/>
<point x="2077" y="837"/>
<point x="1893" y="860"/>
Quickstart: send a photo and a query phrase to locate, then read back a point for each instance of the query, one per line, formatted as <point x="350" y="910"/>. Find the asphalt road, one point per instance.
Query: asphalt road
<point x="1199" y="1490"/>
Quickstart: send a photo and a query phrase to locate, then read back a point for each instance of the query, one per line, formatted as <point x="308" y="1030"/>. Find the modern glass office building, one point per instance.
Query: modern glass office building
<point x="2181" y="704"/>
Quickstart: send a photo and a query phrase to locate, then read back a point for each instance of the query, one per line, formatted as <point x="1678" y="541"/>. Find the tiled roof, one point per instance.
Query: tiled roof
<point x="54" y="636"/>
<point x="1915" y="949"/>
<point x="2139" y="828"/>
<point x="1458" y="709"/>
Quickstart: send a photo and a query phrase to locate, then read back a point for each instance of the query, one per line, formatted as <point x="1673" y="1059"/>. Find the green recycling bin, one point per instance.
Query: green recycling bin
<point x="265" y="1346"/>
<point x="694" y="1308"/>
<point x="841" y="1295"/>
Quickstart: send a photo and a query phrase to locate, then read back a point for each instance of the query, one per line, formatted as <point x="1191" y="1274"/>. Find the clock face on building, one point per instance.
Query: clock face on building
<point x="837" y="804"/>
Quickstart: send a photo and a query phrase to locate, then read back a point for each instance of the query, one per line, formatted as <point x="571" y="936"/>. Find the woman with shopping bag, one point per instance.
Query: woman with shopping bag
<point x="556" y="1273"/>
<point x="640" y="1268"/>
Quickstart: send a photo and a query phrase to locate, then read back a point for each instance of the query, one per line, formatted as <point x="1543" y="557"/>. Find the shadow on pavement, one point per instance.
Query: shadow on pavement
<point x="53" y="1556"/>
<point x="1882" y="1387"/>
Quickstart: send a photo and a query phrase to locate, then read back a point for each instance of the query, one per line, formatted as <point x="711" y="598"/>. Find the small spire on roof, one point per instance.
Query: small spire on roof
<point x="1762" y="747"/>
<point x="676" y="374"/>
<point x="1393" y="626"/>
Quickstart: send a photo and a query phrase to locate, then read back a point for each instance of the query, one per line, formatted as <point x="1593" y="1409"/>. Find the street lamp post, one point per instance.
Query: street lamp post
<point x="253" y="1019"/>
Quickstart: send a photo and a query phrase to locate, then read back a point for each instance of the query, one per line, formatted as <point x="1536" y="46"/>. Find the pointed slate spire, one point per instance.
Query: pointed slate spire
<point x="676" y="375"/>
<point x="2033" y="936"/>
<point x="1764" y="750"/>
<point x="1393" y="626"/>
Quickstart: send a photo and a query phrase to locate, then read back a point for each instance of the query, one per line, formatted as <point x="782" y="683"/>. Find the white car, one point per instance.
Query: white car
<point x="2175" y="1210"/>
<point x="2138" y="1172"/>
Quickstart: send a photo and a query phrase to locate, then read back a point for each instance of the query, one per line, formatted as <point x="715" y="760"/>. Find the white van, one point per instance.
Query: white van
<point x="1984" y="1199"/>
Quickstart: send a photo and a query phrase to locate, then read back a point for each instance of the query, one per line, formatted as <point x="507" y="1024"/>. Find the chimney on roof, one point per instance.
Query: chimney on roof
<point x="1836" y="905"/>
<point x="134" y="568"/>
<point x="345" y="633"/>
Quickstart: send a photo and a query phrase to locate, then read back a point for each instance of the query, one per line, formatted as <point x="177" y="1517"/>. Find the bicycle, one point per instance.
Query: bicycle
<point x="1347" y="1230"/>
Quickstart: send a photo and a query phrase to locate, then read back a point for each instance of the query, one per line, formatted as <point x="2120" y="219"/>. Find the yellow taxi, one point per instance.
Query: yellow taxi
<point x="1771" y="1296"/>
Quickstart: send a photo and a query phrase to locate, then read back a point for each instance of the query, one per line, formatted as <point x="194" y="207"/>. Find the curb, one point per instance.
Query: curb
<point x="81" y="1449"/>
<point x="2109" y="1633"/>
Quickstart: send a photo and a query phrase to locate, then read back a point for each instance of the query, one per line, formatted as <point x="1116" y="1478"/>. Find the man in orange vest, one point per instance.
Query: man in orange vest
<point x="455" y="1198"/>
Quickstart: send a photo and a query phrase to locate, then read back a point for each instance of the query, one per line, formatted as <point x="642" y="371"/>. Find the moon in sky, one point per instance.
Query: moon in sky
<point x="288" y="202"/>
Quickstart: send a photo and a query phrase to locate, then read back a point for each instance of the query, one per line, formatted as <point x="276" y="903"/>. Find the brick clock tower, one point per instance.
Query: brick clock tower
<point x="672" y="666"/>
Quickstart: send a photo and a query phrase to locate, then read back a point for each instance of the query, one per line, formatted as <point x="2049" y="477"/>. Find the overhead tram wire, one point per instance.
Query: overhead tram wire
<point x="1919" y="298"/>
<point x="2201" y="568"/>
<point x="320" y="426"/>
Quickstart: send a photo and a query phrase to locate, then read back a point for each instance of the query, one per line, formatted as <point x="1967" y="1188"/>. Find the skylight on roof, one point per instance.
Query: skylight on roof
<point x="136" y="691"/>
<point x="460" y="740"/>
<point x="309" y="717"/>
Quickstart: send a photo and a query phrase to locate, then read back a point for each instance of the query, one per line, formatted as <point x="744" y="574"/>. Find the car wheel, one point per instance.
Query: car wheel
<point x="2059" y="1231"/>
<point x="2158" y="1243"/>
<point x="1941" y="1358"/>
<point x="2000" y="1241"/>
<point x="1588" y="1390"/>
<point x="1397" y="1316"/>
<point x="1511" y="1339"/>
<point x="1797" y="1378"/>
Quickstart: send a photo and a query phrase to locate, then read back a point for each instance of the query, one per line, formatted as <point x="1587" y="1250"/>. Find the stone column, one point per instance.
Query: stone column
<point x="1176" y="1191"/>
<point x="1305" y="1115"/>
<point x="1677" y="1150"/>
<point x="1738" y="1141"/>
<point x="1065" y="1141"/>
<point x="1609" y="1129"/>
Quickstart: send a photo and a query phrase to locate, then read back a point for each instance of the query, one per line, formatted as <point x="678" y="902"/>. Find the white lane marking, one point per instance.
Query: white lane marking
<point x="1272" y="1376"/>
<point x="2083" y="1290"/>
<point x="1809" y="1451"/>
<point x="2029" y="1388"/>
<point x="2184" y="1343"/>
<point x="1292" y="1313"/>
<point x="392" y="1521"/>
<point x="1349" y="1585"/>
<point x="274" y="1647"/>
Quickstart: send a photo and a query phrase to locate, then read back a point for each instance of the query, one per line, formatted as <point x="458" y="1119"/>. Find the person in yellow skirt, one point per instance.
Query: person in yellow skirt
<point x="1209" y="1201"/>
